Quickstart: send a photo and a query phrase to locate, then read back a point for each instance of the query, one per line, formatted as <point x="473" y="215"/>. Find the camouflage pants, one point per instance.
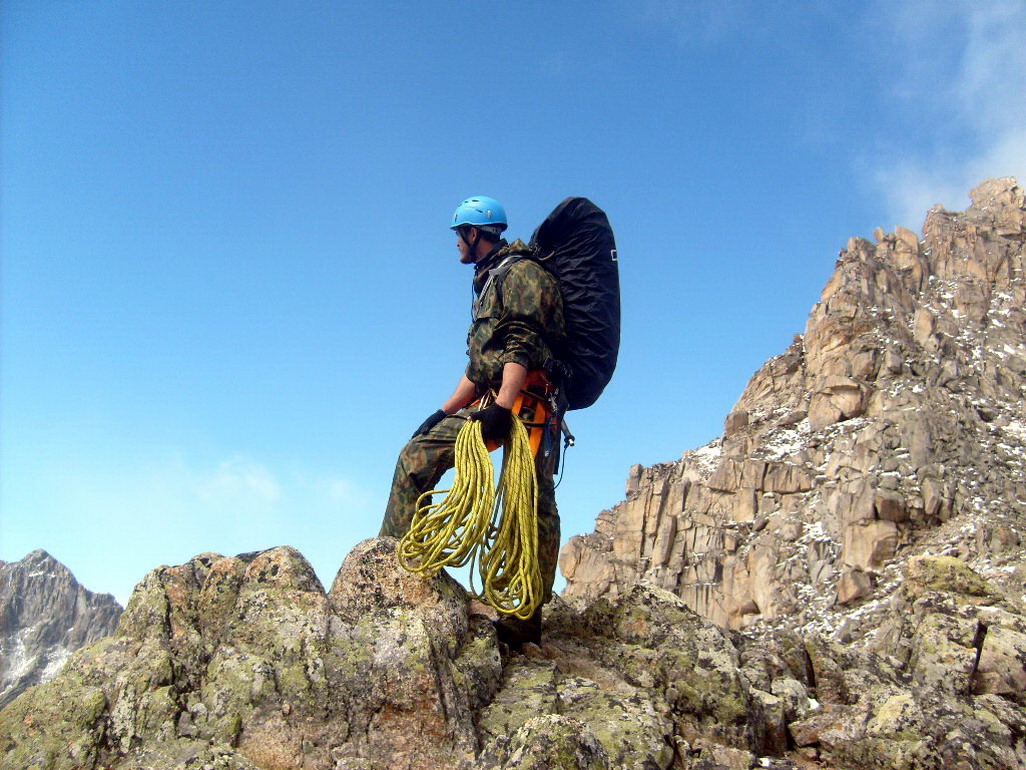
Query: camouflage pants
<point x="426" y="457"/>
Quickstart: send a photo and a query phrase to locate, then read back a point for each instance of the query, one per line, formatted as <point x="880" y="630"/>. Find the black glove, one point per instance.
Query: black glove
<point x="495" y="422"/>
<point x="429" y="423"/>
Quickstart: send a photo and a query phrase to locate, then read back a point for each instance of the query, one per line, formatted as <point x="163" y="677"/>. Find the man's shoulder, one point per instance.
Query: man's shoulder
<point x="517" y="261"/>
<point x="528" y="269"/>
<point x="516" y="249"/>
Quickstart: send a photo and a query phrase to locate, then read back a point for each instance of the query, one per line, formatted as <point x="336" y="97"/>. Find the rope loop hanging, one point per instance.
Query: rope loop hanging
<point x="495" y="530"/>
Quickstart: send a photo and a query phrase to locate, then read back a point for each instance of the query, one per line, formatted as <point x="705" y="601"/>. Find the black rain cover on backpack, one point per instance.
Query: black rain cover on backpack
<point x="576" y="244"/>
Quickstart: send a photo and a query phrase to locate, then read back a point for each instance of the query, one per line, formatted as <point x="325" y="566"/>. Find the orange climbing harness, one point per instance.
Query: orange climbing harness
<point x="533" y="406"/>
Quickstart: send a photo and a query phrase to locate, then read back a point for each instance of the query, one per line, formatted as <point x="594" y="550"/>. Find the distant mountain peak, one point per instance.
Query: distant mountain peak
<point x="45" y="615"/>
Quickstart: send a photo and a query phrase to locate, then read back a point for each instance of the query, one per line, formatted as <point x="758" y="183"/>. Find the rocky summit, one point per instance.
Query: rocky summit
<point x="246" y="663"/>
<point x="894" y="426"/>
<point x="892" y="433"/>
<point x="45" y="615"/>
<point x="837" y="582"/>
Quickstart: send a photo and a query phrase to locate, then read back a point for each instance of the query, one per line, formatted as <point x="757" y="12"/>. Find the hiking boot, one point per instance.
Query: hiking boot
<point x="515" y="633"/>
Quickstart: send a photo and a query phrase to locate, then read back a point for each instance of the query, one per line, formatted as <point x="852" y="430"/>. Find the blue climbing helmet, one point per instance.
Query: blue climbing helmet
<point x="480" y="211"/>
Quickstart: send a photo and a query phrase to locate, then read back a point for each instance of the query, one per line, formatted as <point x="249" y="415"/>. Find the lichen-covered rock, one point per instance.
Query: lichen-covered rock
<point x="551" y="742"/>
<point x="924" y="689"/>
<point x="245" y="663"/>
<point x="571" y="679"/>
<point x="659" y="644"/>
<point x="55" y="725"/>
<point x="249" y="656"/>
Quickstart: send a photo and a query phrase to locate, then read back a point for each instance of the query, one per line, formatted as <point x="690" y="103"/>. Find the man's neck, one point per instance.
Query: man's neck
<point x="488" y="258"/>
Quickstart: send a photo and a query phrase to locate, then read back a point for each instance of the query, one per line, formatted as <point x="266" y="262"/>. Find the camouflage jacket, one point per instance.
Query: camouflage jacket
<point x="523" y="323"/>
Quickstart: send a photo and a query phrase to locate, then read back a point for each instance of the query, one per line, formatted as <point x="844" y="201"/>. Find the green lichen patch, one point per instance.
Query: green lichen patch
<point x="528" y="690"/>
<point x="947" y="574"/>
<point x="550" y="742"/>
<point x="56" y="726"/>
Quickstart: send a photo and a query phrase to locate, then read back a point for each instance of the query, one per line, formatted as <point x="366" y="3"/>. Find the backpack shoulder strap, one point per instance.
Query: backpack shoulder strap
<point x="494" y="279"/>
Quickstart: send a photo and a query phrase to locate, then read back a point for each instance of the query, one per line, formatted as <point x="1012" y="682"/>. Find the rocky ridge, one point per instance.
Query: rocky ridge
<point x="894" y="426"/>
<point x="246" y="663"/>
<point x="45" y="615"/>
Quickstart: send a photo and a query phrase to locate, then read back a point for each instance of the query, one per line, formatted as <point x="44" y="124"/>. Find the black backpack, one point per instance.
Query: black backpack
<point x="575" y="243"/>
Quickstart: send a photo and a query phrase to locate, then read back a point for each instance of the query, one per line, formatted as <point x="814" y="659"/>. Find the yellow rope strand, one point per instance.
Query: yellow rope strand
<point x="448" y="532"/>
<point x="498" y="533"/>
<point x="509" y="569"/>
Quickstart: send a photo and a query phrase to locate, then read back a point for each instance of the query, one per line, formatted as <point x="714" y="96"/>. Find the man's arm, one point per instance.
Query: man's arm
<point x="532" y="317"/>
<point x="513" y="376"/>
<point x="496" y="419"/>
<point x="463" y="395"/>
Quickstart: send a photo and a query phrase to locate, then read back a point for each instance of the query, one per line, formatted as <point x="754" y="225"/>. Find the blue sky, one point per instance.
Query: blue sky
<point x="229" y="292"/>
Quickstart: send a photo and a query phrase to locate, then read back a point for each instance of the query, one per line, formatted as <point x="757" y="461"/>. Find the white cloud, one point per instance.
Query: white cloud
<point x="129" y="517"/>
<point x="236" y="481"/>
<point x="344" y="491"/>
<point x="960" y="67"/>
<point x="992" y="81"/>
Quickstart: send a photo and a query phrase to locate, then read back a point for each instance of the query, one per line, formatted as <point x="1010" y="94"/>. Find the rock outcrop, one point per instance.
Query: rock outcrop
<point x="894" y="426"/>
<point x="45" y="615"/>
<point x="245" y="663"/>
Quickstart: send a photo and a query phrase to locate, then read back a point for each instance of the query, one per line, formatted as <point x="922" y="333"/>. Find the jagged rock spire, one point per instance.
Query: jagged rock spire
<point x="894" y="425"/>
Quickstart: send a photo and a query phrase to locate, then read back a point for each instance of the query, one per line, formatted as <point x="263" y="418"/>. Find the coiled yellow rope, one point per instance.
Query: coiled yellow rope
<point x="498" y="533"/>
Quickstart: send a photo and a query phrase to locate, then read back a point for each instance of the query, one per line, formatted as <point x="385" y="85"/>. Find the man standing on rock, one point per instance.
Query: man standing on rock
<point x="517" y="326"/>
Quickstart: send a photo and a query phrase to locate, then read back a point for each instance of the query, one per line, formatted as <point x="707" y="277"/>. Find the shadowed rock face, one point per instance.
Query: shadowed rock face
<point x="245" y="663"/>
<point x="45" y="615"/>
<point x="894" y="426"/>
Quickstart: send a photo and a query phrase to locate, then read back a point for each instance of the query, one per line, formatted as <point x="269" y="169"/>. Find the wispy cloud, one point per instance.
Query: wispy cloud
<point x="962" y="67"/>
<point x="344" y="491"/>
<point x="236" y="481"/>
<point x="949" y="76"/>
<point x="169" y="507"/>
